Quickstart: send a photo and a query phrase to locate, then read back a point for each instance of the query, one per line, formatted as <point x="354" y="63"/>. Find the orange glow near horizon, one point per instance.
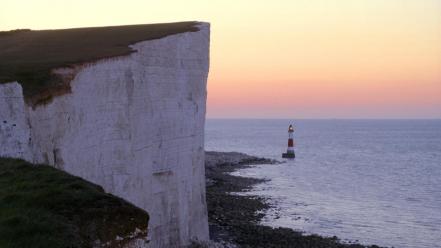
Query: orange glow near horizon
<point x="289" y="59"/>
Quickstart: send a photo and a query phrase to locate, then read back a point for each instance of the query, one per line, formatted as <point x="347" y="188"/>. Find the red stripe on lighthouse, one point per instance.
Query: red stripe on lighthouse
<point x="290" y="143"/>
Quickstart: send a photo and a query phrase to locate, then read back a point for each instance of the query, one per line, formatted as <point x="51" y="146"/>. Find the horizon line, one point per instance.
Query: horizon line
<point x="286" y="118"/>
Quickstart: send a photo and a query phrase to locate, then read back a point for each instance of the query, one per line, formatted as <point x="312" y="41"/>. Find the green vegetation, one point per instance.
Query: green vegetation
<point x="28" y="56"/>
<point x="41" y="206"/>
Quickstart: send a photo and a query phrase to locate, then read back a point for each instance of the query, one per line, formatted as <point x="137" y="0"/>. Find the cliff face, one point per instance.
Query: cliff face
<point x="132" y="124"/>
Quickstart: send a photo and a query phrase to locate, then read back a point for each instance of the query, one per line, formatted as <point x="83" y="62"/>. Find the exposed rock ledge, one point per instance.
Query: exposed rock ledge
<point x="234" y="219"/>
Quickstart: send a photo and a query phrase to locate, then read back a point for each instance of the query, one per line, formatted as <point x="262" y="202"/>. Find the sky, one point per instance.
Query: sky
<point x="286" y="58"/>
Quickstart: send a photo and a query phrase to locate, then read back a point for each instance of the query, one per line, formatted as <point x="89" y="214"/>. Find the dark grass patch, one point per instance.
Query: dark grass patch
<point x="29" y="56"/>
<point x="41" y="206"/>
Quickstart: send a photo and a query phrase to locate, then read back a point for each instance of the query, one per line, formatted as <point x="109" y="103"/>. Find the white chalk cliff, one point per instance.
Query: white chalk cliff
<point x="134" y="125"/>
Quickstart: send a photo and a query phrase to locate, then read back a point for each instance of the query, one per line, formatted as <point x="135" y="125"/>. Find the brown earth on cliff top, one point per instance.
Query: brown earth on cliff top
<point x="28" y="56"/>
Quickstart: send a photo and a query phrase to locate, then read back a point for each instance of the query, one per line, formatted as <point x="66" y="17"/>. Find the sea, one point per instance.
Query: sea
<point x="366" y="181"/>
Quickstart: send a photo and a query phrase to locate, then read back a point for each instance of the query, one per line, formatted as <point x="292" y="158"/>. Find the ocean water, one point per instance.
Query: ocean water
<point x="371" y="181"/>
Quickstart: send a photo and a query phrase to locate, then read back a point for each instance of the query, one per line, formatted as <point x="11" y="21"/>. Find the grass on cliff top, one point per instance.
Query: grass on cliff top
<point x="28" y="56"/>
<point x="41" y="206"/>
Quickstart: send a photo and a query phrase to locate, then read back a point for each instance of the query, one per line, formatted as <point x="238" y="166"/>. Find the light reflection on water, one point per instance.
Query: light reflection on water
<point x="376" y="181"/>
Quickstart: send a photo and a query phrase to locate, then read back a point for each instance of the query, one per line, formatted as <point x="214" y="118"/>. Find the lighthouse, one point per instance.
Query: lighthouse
<point x="290" y="152"/>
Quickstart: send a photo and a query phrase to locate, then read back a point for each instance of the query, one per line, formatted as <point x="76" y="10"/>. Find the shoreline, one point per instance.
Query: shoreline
<point x="234" y="220"/>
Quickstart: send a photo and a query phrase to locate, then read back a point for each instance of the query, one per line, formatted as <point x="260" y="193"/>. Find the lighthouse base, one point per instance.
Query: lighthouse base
<point x="288" y="155"/>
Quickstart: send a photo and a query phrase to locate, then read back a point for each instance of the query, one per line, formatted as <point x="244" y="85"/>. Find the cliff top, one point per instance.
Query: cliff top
<point x="41" y="206"/>
<point x="28" y="56"/>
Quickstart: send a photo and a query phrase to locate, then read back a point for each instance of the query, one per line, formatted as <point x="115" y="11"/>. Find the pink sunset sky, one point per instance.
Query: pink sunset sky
<point x="289" y="59"/>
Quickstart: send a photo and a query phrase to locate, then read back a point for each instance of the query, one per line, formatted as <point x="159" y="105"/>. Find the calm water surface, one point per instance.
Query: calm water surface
<point x="376" y="181"/>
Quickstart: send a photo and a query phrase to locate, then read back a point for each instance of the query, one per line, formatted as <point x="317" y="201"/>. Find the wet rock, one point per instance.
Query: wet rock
<point x="234" y="219"/>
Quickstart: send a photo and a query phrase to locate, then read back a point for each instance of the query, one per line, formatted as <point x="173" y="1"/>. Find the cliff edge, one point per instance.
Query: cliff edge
<point x="31" y="57"/>
<point x="133" y="124"/>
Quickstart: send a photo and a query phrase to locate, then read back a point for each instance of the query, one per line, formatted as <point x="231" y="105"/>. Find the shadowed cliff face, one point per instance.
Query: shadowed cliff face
<point x="132" y="124"/>
<point x="44" y="207"/>
<point x="29" y="57"/>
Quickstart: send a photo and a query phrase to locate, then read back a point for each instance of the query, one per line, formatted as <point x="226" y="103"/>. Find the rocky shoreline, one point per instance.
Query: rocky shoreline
<point x="234" y="219"/>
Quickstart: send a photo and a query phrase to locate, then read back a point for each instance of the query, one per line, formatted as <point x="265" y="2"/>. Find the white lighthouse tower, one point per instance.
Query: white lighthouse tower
<point x="290" y="151"/>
